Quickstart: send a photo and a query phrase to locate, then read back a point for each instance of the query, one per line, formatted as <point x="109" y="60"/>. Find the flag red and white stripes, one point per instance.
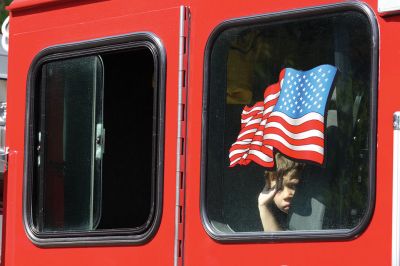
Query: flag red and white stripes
<point x="250" y="144"/>
<point x="292" y="123"/>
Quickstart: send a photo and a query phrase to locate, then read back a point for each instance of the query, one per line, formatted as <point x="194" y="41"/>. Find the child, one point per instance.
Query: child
<point x="274" y="201"/>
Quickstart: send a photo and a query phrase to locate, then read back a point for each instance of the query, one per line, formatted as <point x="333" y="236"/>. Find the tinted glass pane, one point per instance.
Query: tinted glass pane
<point x="68" y="131"/>
<point x="316" y="194"/>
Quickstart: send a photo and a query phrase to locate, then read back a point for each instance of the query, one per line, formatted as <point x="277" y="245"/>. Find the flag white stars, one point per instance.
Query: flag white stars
<point x="307" y="92"/>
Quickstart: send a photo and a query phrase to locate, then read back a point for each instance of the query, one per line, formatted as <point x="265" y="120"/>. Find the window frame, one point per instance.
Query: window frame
<point x="86" y="48"/>
<point x="303" y="235"/>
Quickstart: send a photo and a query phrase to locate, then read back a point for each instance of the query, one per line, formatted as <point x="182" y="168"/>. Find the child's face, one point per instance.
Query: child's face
<point x="284" y="197"/>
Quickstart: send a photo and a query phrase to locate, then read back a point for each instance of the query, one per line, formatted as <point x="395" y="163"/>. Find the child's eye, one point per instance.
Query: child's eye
<point x="291" y="186"/>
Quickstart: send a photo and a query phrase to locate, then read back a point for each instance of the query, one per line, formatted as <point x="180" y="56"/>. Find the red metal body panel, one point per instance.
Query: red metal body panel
<point x="37" y="24"/>
<point x="18" y="5"/>
<point x="373" y="247"/>
<point x="71" y="24"/>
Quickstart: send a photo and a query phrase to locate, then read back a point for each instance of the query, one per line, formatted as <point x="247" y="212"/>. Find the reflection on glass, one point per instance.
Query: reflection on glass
<point x="329" y="194"/>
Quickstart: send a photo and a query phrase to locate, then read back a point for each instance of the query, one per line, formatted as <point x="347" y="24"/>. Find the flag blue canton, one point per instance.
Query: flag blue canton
<point x="303" y="92"/>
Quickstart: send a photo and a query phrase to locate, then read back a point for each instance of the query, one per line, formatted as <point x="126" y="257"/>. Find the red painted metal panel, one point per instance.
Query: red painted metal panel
<point x="75" y="23"/>
<point x="22" y="4"/>
<point x="373" y="247"/>
<point x="48" y="24"/>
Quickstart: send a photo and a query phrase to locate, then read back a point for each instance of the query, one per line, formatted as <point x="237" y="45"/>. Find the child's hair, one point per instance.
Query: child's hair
<point x="283" y="167"/>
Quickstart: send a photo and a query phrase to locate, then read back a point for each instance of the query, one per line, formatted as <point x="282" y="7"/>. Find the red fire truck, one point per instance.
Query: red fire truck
<point x="144" y="132"/>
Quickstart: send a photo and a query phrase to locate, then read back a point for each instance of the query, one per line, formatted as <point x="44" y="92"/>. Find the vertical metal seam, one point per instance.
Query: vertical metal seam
<point x="182" y="72"/>
<point x="396" y="188"/>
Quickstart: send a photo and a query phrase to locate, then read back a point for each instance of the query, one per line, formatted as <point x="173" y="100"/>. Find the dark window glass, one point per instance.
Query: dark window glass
<point x="96" y="143"/>
<point x="69" y="167"/>
<point x="243" y="62"/>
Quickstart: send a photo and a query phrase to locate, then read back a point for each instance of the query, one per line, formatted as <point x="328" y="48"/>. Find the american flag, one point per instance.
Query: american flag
<point x="291" y="119"/>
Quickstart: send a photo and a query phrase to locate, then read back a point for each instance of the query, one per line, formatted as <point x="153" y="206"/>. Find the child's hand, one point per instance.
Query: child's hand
<point x="266" y="196"/>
